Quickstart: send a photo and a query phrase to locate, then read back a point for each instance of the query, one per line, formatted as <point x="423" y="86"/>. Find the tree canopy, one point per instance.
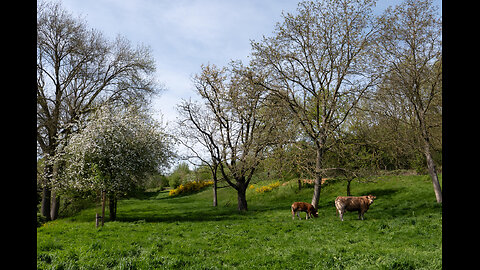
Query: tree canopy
<point x="116" y="148"/>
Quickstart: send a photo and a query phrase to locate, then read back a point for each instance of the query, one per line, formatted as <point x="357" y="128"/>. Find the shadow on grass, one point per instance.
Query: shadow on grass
<point x="150" y="195"/>
<point x="187" y="216"/>
<point x="159" y="207"/>
<point x="384" y="192"/>
<point x="194" y="213"/>
<point x="184" y="217"/>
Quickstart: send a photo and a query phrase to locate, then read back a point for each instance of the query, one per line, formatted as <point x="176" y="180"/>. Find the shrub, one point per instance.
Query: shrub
<point x="155" y="181"/>
<point x="190" y="187"/>
<point x="268" y="188"/>
<point x="180" y="175"/>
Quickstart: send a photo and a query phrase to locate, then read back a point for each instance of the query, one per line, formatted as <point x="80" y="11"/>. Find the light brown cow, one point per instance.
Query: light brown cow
<point x="351" y="204"/>
<point x="303" y="207"/>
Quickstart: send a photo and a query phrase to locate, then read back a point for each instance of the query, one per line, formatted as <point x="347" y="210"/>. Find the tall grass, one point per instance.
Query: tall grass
<point x="401" y="230"/>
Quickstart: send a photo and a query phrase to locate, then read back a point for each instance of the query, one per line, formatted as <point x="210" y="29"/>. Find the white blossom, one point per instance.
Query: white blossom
<point x="114" y="151"/>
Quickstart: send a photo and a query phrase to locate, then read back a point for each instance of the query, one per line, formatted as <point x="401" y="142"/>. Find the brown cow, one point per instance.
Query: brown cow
<point x="303" y="207"/>
<point x="351" y="204"/>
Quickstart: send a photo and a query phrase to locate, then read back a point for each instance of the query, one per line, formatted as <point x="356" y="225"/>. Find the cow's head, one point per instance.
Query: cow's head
<point x="315" y="213"/>
<point x="371" y="198"/>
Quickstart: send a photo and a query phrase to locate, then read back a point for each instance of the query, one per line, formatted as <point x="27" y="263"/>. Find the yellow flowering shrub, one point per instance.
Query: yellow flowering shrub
<point x="268" y="187"/>
<point x="190" y="187"/>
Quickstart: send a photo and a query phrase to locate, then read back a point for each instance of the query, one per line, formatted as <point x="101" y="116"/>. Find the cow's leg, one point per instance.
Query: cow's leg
<point x="298" y="215"/>
<point x="360" y="214"/>
<point x="293" y="214"/>
<point x="341" y="214"/>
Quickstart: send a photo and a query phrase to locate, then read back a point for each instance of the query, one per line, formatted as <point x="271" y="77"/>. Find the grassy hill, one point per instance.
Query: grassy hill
<point x="401" y="230"/>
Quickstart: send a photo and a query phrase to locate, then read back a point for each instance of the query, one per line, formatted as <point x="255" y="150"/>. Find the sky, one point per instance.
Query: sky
<point x="184" y="34"/>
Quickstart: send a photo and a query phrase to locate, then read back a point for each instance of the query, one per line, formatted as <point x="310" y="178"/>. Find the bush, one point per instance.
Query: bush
<point x="155" y="181"/>
<point x="268" y="188"/>
<point x="419" y="164"/>
<point x="190" y="187"/>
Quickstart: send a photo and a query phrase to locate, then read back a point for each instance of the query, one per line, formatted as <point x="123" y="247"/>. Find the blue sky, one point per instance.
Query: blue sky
<point x="184" y="34"/>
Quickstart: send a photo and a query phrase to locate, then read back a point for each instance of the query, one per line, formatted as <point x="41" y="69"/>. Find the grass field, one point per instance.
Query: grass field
<point x="401" y="230"/>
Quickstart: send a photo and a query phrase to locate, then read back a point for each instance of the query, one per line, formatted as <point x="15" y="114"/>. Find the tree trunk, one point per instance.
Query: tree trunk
<point x="241" y="196"/>
<point x="112" y="205"/>
<point x="46" y="192"/>
<point x="433" y="173"/>
<point x="318" y="178"/>
<point x="46" y="197"/>
<point x="428" y="155"/>
<point x="103" y="206"/>
<point x="54" y="206"/>
<point x="349" y="181"/>
<point x="215" y="191"/>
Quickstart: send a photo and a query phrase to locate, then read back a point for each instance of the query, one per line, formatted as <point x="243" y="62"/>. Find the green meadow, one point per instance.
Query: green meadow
<point x="402" y="230"/>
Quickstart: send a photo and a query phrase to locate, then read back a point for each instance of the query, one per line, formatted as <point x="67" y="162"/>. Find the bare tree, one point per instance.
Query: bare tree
<point x="237" y="123"/>
<point x="197" y="131"/>
<point x="318" y="63"/>
<point x="411" y="53"/>
<point x="77" y="69"/>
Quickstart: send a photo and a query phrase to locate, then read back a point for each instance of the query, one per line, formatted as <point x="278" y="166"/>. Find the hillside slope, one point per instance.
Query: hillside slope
<point x="401" y="230"/>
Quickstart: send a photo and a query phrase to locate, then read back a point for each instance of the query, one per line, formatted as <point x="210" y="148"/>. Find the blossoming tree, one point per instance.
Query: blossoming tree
<point x="113" y="153"/>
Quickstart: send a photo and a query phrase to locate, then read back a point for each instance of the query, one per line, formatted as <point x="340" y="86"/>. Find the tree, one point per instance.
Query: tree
<point x="239" y="126"/>
<point x="411" y="53"/>
<point x="180" y="175"/>
<point x="117" y="149"/>
<point x="77" y="69"/>
<point x="318" y="62"/>
<point x="196" y="131"/>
